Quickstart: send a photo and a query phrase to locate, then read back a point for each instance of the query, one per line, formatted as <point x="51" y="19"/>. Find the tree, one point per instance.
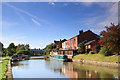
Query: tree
<point x="25" y="52"/>
<point x="11" y="49"/>
<point x="110" y="39"/>
<point x="81" y="48"/>
<point x="22" y="47"/>
<point x="27" y="47"/>
<point x="4" y="52"/>
<point x="49" y="48"/>
<point x="1" y="49"/>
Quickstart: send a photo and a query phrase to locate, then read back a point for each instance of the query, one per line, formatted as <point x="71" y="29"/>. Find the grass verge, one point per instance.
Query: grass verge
<point x="4" y="68"/>
<point x="2" y="57"/>
<point x="97" y="57"/>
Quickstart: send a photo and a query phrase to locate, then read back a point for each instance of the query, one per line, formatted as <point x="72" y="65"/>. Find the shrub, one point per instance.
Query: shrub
<point x="106" y="52"/>
<point x="91" y="52"/>
<point x="65" y="57"/>
<point x="81" y="48"/>
<point x="86" y="53"/>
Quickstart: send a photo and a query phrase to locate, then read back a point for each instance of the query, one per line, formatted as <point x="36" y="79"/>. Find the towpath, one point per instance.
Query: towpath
<point x="2" y="59"/>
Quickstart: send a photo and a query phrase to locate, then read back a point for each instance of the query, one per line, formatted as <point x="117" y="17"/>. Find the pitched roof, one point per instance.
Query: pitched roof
<point x="88" y="35"/>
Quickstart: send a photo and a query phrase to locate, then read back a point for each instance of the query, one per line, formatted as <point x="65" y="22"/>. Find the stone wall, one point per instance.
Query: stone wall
<point x="97" y="63"/>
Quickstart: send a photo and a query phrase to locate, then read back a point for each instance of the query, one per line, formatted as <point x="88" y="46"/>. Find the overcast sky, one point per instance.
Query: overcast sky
<point x="40" y="23"/>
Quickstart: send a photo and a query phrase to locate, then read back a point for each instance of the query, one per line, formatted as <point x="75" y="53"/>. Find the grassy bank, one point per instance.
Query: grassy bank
<point x="3" y="68"/>
<point x="2" y="57"/>
<point x="97" y="57"/>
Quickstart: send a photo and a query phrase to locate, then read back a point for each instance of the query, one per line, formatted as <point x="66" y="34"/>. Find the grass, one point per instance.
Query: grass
<point x="3" y="68"/>
<point x="97" y="57"/>
<point x="2" y="57"/>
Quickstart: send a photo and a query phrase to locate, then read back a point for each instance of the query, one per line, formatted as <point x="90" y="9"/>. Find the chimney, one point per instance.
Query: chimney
<point x="54" y="41"/>
<point x="80" y="32"/>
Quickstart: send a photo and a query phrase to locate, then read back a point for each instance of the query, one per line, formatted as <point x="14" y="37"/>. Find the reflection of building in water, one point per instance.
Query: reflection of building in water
<point x="63" y="68"/>
<point x="68" y="70"/>
<point x="54" y="65"/>
<point x="85" y="71"/>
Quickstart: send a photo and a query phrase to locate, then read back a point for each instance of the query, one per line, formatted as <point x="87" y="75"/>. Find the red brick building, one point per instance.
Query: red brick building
<point x="89" y="38"/>
<point x="59" y="43"/>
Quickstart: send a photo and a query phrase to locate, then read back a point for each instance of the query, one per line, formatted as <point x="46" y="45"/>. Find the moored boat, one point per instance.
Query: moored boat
<point x="14" y="58"/>
<point x="56" y="56"/>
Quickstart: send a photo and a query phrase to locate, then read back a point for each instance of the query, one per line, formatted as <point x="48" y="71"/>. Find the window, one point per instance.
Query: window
<point x="89" y="46"/>
<point x="74" y="40"/>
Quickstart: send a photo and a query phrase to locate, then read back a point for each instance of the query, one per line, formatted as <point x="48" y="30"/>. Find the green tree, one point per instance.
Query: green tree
<point x="81" y="48"/>
<point x="22" y="48"/>
<point x="4" y="52"/>
<point x="1" y="49"/>
<point x="25" y="52"/>
<point x="11" y="49"/>
<point x="49" y="48"/>
<point x="27" y="47"/>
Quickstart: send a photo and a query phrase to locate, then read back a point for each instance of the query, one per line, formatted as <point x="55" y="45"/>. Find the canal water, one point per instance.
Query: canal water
<point x="39" y="68"/>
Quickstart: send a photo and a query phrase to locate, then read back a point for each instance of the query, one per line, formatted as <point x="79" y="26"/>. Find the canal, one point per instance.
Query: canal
<point x="39" y="68"/>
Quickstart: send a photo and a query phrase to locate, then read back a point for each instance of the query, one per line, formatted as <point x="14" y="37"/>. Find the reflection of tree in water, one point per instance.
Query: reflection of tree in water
<point x="53" y="64"/>
<point x="21" y="64"/>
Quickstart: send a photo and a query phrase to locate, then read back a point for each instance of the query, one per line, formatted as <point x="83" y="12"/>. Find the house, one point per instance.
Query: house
<point x="86" y="37"/>
<point x="92" y="45"/>
<point x="59" y="43"/>
<point x="90" y="40"/>
<point x="70" y="47"/>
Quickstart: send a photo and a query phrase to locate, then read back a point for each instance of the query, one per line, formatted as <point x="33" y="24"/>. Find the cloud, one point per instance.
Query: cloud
<point x="37" y="23"/>
<point x="87" y="3"/>
<point x="27" y="13"/>
<point x="51" y="3"/>
<point x="20" y="15"/>
<point x="60" y="0"/>
<point x="112" y="16"/>
<point x="6" y="40"/>
<point x="6" y="24"/>
<point x="98" y="23"/>
<point x="65" y="4"/>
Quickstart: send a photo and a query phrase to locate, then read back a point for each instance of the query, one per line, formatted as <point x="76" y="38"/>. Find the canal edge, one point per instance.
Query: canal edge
<point x="97" y="63"/>
<point x="9" y="72"/>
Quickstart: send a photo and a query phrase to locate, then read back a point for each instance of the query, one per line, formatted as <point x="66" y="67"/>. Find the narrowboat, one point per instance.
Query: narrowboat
<point x="62" y="55"/>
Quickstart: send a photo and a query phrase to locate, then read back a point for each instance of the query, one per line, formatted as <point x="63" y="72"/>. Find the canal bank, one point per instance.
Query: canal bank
<point x="97" y="63"/>
<point x="9" y="72"/>
<point x="40" y="68"/>
<point x="97" y="60"/>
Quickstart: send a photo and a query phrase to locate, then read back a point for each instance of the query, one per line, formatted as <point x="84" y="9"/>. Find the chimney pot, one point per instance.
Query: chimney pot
<point x="80" y="32"/>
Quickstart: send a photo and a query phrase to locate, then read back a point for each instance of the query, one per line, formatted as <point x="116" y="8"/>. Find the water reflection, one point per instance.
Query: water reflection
<point x="39" y="68"/>
<point x="74" y="70"/>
